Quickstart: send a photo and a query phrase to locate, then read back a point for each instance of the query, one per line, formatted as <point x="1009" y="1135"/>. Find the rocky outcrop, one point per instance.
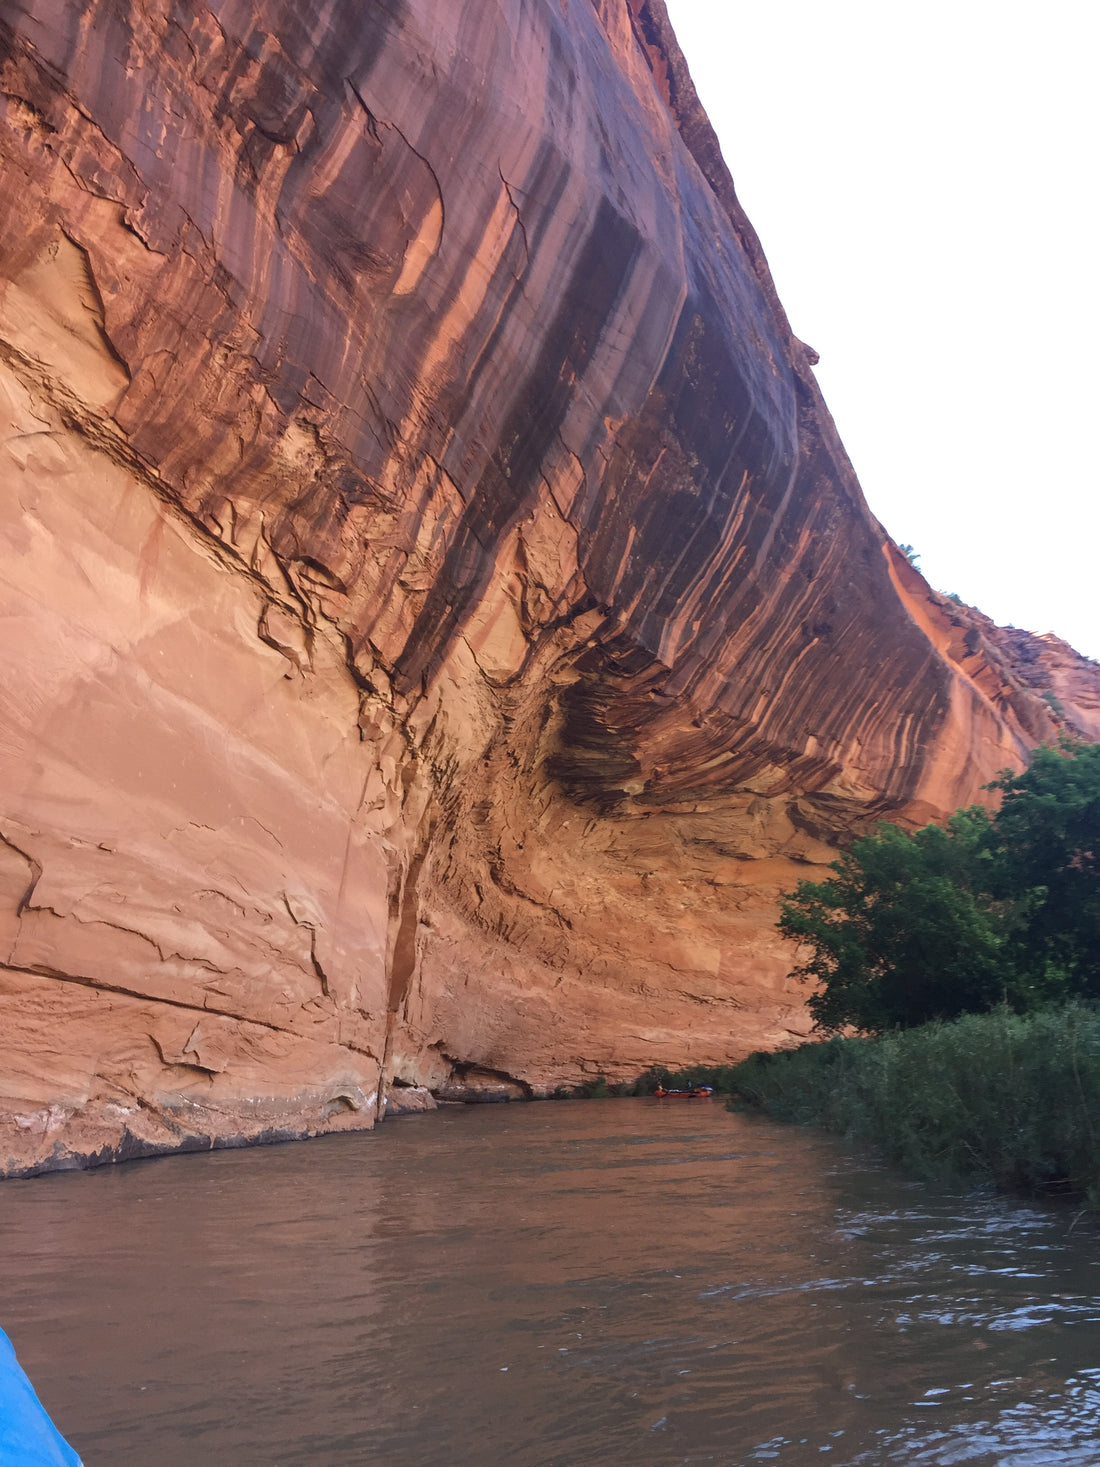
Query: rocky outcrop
<point x="440" y="615"/>
<point x="1068" y="683"/>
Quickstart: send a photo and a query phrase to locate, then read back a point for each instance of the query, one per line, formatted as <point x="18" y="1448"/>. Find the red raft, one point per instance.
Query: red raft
<point x="695" y="1093"/>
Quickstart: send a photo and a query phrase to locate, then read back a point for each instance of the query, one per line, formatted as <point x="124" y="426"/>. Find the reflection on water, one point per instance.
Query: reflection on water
<point x="629" y="1283"/>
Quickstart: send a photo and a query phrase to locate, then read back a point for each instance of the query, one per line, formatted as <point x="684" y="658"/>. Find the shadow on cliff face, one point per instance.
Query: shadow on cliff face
<point x="738" y="618"/>
<point x="510" y="484"/>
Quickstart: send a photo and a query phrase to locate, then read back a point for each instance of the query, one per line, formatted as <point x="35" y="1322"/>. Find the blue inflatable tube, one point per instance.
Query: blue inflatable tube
<point x="28" y="1438"/>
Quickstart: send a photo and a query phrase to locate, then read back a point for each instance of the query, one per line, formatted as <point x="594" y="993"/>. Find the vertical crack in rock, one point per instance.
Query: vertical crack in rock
<point x="511" y="191"/>
<point x="404" y="920"/>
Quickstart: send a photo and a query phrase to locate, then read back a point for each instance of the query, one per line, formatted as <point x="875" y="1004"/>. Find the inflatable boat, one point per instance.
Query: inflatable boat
<point x="28" y="1438"/>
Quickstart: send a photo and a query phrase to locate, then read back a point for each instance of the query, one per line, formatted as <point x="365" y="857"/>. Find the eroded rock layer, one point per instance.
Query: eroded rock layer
<point x="439" y="616"/>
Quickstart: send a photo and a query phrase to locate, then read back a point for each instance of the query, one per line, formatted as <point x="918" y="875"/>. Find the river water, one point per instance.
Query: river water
<point x="627" y="1283"/>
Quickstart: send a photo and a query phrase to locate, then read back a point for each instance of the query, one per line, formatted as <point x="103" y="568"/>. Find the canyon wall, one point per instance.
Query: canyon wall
<point x="439" y="615"/>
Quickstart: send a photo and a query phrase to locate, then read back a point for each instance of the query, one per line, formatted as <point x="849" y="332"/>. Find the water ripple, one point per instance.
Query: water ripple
<point x="616" y="1284"/>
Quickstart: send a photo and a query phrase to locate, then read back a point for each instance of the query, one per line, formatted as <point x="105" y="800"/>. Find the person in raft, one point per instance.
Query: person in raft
<point x="28" y="1438"/>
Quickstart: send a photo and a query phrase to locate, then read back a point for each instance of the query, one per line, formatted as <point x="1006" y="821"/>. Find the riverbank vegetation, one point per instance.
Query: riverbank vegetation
<point x="719" y="1077"/>
<point x="956" y="973"/>
<point x="1013" y="1099"/>
<point x="993" y="908"/>
<point x="962" y="965"/>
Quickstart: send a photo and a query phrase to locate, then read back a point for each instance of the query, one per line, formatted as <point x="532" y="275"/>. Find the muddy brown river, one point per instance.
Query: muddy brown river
<point x="625" y="1283"/>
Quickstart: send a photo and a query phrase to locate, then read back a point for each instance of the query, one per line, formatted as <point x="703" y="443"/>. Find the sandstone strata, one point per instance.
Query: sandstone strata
<point x="440" y="617"/>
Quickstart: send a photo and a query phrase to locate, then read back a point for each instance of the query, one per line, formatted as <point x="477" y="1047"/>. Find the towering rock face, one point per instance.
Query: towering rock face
<point x="439" y="615"/>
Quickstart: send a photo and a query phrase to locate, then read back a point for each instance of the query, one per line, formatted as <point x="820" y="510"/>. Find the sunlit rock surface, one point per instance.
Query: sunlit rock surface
<point x="439" y="615"/>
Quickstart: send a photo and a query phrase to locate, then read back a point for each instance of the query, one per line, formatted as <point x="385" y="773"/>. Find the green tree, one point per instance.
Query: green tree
<point x="906" y="929"/>
<point x="989" y="909"/>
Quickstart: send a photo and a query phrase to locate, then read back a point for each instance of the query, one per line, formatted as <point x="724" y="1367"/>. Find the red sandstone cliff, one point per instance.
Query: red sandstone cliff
<point x="439" y="615"/>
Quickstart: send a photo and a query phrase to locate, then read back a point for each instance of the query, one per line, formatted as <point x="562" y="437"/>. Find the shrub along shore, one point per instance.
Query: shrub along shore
<point x="1012" y="1099"/>
<point x="967" y="957"/>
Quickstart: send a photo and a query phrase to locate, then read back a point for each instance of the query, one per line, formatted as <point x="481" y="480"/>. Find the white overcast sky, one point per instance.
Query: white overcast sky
<point x="924" y="181"/>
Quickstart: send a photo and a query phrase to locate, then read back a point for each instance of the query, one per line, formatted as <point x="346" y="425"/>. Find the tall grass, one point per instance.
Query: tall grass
<point x="1009" y="1098"/>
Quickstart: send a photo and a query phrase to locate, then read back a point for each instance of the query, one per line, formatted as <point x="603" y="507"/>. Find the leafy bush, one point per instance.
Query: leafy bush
<point x="990" y="909"/>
